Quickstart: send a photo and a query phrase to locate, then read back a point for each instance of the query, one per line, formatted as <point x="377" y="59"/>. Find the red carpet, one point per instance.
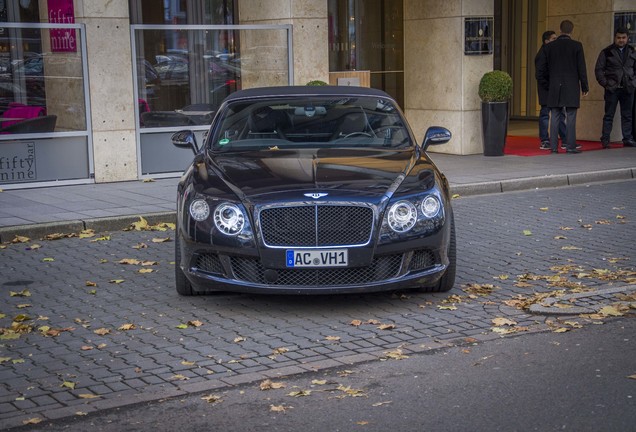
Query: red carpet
<point x="529" y="146"/>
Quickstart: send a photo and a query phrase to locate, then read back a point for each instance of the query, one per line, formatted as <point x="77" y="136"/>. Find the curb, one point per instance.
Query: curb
<point x="115" y="223"/>
<point x="548" y="307"/>
<point x="549" y="181"/>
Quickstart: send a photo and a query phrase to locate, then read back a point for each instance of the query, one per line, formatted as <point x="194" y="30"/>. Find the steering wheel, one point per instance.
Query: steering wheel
<point x="352" y="134"/>
<point x="380" y="131"/>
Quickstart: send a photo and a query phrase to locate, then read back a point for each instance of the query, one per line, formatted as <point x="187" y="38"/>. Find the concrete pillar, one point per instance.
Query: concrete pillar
<point x="310" y="33"/>
<point x="111" y="87"/>
<point x="441" y="82"/>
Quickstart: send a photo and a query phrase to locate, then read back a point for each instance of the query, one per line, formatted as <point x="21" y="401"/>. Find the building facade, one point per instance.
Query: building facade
<point x="90" y="91"/>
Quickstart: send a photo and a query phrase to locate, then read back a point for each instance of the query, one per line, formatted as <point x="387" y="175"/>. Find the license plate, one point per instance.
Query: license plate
<point x="317" y="258"/>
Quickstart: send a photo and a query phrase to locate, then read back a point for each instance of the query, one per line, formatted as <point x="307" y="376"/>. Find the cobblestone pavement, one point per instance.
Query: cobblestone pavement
<point x="84" y="331"/>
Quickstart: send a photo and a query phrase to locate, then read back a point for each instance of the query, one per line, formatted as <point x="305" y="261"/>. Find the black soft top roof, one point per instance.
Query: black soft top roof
<point x="266" y="92"/>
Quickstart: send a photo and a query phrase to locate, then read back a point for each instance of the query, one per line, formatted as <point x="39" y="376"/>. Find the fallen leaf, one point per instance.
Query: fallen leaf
<point x="377" y="404"/>
<point x="319" y="382"/>
<point x="571" y="248"/>
<point x="356" y="323"/>
<point x="91" y="284"/>
<point x="178" y="377"/>
<point x="68" y="384"/>
<point x="146" y="270"/>
<point x="278" y="408"/>
<point x="102" y="238"/>
<point x="88" y="396"/>
<point x="86" y="348"/>
<point x="128" y="326"/>
<point x="610" y="311"/>
<point x="195" y="323"/>
<point x="34" y="420"/>
<point x="161" y="240"/>
<point x="102" y="331"/>
<point x="140" y="246"/>
<point x="299" y="393"/>
<point x="20" y="239"/>
<point x="239" y="339"/>
<point x="543" y="209"/>
<point x="270" y="385"/>
<point x="527" y="232"/>
<point x="116" y="281"/>
<point x="333" y="338"/>
<point x="451" y="307"/>
<point x="187" y="363"/>
<point x="129" y="261"/>
<point x="396" y="355"/>
<point x="386" y="326"/>
<point x="212" y="399"/>
<point x="503" y="321"/>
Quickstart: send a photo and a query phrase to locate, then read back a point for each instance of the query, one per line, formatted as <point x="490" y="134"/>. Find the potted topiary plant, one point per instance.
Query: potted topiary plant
<point x="495" y="90"/>
<point x="316" y="83"/>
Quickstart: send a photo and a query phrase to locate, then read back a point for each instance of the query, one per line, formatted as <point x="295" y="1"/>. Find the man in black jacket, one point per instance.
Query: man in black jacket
<point x="561" y="70"/>
<point x="616" y="72"/>
<point x="544" y="113"/>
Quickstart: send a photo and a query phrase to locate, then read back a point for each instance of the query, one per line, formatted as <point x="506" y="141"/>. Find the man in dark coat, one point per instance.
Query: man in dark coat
<point x="544" y="113"/>
<point x="561" y="70"/>
<point x="616" y="72"/>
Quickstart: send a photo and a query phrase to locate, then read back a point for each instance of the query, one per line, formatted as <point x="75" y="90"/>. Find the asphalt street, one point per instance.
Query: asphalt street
<point x="578" y="381"/>
<point x="97" y="324"/>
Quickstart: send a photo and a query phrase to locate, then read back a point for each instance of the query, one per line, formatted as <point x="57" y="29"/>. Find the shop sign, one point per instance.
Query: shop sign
<point x="478" y="35"/>
<point x="62" y="12"/>
<point x="17" y="162"/>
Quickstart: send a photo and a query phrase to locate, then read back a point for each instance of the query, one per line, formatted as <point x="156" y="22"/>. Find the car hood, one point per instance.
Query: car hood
<point x="365" y="172"/>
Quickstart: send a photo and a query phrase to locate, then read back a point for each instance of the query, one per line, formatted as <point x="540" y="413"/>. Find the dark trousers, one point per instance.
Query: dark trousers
<point x="544" y="123"/>
<point x="626" y="100"/>
<point x="570" y="134"/>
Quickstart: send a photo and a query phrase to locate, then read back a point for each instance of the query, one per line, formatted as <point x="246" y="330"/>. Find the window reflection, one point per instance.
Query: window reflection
<point x="41" y="91"/>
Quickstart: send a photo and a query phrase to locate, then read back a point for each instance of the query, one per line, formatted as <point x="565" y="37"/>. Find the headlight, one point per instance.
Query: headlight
<point x="229" y="219"/>
<point x="402" y="216"/>
<point x="199" y="210"/>
<point x="430" y="206"/>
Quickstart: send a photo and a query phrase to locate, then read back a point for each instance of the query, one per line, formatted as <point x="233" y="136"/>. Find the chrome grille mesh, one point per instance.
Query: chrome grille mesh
<point x="316" y="225"/>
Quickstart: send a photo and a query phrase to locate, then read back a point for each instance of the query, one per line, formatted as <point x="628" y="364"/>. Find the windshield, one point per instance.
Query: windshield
<point x="298" y="122"/>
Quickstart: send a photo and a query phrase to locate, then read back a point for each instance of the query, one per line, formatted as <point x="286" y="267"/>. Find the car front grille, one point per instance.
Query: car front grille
<point x="209" y="263"/>
<point x="316" y="225"/>
<point x="382" y="268"/>
<point x="422" y="259"/>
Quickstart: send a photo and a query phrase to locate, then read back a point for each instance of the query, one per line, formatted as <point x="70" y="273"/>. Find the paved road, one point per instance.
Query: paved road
<point x="118" y="334"/>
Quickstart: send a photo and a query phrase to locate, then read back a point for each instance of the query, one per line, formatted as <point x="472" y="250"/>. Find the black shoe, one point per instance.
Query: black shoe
<point x="545" y="145"/>
<point x="629" y="143"/>
<point x="575" y="151"/>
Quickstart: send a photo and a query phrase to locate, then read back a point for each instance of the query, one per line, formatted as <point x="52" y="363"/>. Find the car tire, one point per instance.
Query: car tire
<point x="182" y="284"/>
<point x="447" y="281"/>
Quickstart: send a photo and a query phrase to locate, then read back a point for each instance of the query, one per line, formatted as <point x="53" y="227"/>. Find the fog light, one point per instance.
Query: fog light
<point x="199" y="210"/>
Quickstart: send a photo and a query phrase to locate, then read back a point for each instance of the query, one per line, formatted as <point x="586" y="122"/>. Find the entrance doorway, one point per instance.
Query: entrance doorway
<point x="368" y="35"/>
<point x="517" y="42"/>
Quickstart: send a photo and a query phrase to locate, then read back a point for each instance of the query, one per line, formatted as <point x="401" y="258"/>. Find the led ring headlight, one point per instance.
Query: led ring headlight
<point x="430" y="206"/>
<point x="229" y="219"/>
<point x="402" y="216"/>
<point x="199" y="210"/>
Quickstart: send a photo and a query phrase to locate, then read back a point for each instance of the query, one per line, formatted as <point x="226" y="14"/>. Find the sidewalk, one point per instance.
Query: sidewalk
<point x="111" y="206"/>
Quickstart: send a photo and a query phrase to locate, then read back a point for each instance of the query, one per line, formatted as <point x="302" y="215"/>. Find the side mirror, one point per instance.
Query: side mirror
<point x="185" y="139"/>
<point x="436" y="135"/>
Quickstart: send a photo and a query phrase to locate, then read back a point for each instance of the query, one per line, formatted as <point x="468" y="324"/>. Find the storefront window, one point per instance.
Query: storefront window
<point x="43" y="104"/>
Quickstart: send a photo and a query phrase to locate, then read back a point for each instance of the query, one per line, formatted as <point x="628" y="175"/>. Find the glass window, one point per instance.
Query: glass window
<point x="41" y="75"/>
<point x="368" y="35"/>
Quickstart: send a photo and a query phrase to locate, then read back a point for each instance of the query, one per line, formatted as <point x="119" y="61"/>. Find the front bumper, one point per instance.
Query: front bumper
<point x="415" y="264"/>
